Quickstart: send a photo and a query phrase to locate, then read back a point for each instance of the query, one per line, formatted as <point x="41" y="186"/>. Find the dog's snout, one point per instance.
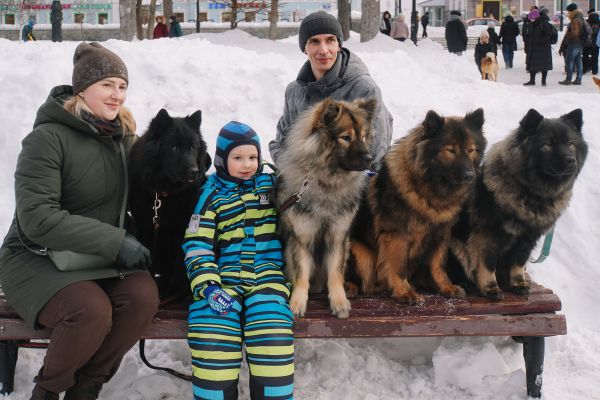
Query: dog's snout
<point x="468" y="176"/>
<point x="570" y="160"/>
<point x="192" y="172"/>
<point x="367" y="158"/>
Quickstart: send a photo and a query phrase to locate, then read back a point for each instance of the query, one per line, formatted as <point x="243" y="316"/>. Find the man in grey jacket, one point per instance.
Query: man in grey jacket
<point x="331" y="71"/>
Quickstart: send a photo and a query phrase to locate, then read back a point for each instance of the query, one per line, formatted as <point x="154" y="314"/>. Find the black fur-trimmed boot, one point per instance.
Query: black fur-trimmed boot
<point x="40" y="393"/>
<point x="86" y="388"/>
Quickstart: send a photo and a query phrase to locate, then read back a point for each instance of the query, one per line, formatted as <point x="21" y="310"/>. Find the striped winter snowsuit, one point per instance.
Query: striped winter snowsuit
<point x="232" y="240"/>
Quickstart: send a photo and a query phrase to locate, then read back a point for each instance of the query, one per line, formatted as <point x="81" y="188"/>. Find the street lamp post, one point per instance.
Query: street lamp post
<point x="561" y="15"/>
<point x="414" y="24"/>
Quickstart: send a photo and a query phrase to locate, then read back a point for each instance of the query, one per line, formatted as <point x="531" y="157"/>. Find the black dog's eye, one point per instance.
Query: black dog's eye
<point x="547" y="144"/>
<point x="451" y="150"/>
<point x="571" y="145"/>
<point x="346" y="138"/>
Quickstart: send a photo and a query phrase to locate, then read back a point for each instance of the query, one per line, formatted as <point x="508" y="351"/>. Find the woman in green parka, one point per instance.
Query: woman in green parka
<point x="70" y="192"/>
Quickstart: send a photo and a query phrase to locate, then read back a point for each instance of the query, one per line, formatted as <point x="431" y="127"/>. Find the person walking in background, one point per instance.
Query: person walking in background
<point x="456" y="34"/>
<point x="27" y="32"/>
<point x="386" y="23"/>
<point x="539" y="50"/>
<point x="590" y="53"/>
<point x="508" y="39"/>
<point x="424" y="23"/>
<point x="71" y="194"/>
<point x="484" y="45"/>
<point x="161" y="29"/>
<point x="400" y="29"/>
<point x="175" y="28"/>
<point x="574" y="45"/>
<point x="234" y="260"/>
<point x="494" y="38"/>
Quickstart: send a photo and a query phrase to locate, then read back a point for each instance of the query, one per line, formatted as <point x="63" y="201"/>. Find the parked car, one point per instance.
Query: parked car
<point x="483" y="22"/>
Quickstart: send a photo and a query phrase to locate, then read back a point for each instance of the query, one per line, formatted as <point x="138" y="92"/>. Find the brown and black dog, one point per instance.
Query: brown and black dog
<point x="596" y="81"/>
<point x="403" y="227"/>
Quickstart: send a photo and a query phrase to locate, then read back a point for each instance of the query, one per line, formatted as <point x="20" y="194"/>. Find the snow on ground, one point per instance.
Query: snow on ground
<point x="236" y="76"/>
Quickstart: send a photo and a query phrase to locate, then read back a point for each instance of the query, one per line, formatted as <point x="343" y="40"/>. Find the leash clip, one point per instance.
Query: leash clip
<point x="157" y="205"/>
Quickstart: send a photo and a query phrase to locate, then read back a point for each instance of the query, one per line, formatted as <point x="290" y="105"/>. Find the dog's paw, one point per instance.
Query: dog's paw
<point x="351" y="289"/>
<point x="521" y="288"/>
<point x="298" y="304"/>
<point x="340" y="307"/>
<point x="453" y="292"/>
<point x="410" y="297"/>
<point x="492" y="292"/>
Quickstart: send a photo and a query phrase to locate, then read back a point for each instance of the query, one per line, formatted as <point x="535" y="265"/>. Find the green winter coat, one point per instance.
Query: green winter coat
<point x="69" y="185"/>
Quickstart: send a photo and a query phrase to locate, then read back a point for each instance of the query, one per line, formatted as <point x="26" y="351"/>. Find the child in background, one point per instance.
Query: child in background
<point x="234" y="261"/>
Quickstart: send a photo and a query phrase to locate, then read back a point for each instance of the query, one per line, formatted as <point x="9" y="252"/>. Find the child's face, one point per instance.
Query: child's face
<point x="242" y="162"/>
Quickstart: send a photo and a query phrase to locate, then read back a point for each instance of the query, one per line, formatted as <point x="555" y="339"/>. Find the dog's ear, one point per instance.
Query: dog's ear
<point x="575" y="117"/>
<point x="207" y="161"/>
<point x="369" y="106"/>
<point x="530" y="122"/>
<point x="433" y="123"/>
<point x="160" y="123"/>
<point x="194" y="120"/>
<point x="475" y="120"/>
<point x="329" y="111"/>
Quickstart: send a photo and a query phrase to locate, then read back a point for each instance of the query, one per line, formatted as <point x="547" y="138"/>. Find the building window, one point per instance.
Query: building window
<point x="102" y="18"/>
<point x="79" y="18"/>
<point x="250" y="16"/>
<point x="226" y="16"/>
<point x="9" y="19"/>
<point x="179" y="17"/>
<point x="203" y="16"/>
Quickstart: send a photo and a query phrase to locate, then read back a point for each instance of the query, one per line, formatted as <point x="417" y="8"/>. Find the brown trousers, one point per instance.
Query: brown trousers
<point x="94" y="323"/>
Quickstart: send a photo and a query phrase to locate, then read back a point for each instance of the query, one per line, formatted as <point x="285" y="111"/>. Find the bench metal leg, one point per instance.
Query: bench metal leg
<point x="533" y="353"/>
<point x="9" y="353"/>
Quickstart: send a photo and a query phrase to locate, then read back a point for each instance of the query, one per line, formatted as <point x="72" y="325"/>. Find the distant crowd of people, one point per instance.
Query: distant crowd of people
<point x="397" y="28"/>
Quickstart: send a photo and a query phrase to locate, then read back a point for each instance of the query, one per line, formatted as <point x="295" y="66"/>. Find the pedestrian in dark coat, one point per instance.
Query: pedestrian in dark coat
<point x="27" y="32"/>
<point x="494" y="38"/>
<point x="424" y="23"/>
<point x="508" y="39"/>
<point x="590" y="53"/>
<point x="539" y="54"/>
<point x="175" y="28"/>
<point x="161" y="29"/>
<point x="456" y="34"/>
<point x="386" y="23"/>
<point x="70" y="194"/>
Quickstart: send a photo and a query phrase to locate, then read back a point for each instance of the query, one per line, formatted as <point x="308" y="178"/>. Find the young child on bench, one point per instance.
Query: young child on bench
<point x="233" y="258"/>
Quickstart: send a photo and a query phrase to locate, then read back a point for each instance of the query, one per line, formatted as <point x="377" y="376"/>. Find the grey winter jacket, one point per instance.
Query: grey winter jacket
<point x="347" y="80"/>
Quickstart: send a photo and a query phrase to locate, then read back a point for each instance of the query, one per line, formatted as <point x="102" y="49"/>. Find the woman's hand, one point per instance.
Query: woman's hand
<point x="133" y="254"/>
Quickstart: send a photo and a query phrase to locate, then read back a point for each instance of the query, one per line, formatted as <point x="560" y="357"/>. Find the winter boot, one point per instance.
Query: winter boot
<point x="39" y="393"/>
<point x="565" y="82"/>
<point x="86" y="388"/>
<point x="530" y="83"/>
<point x="576" y="82"/>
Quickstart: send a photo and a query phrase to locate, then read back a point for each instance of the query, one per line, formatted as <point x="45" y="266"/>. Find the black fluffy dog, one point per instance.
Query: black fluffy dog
<point x="167" y="167"/>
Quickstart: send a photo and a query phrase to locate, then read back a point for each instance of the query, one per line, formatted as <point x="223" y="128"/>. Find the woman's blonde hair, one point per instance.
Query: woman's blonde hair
<point x="75" y="105"/>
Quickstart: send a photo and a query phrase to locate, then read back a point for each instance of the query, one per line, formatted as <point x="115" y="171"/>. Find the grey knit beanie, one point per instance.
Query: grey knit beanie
<point x="92" y="63"/>
<point x="319" y="23"/>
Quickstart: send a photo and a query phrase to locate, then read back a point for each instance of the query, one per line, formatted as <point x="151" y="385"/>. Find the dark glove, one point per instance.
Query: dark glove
<point x="218" y="300"/>
<point x="132" y="253"/>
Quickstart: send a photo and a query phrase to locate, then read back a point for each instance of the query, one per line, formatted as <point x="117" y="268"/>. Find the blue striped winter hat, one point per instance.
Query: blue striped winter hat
<point x="232" y="135"/>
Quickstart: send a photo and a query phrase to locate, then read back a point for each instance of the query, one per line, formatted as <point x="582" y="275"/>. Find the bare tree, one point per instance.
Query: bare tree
<point x="344" y="17"/>
<point x="167" y="9"/>
<point x="273" y="18"/>
<point x="127" y="16"/>
<point x="369" y="20"/>
<point x="151" y="15"/>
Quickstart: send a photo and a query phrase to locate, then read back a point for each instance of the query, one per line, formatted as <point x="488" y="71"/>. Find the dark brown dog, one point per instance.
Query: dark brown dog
<point x="412" y="204"/>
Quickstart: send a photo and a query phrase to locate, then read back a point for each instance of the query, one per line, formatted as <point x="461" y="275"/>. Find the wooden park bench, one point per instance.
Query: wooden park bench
<point x="528" y="319"/>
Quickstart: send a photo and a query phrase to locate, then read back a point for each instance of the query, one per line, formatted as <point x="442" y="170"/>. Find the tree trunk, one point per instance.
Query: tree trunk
<point x="273" y="18"/>
<point x="369" y="21"/>
<point x="167" y="9"/>
<point x="127" y="18"/>
<point x="151" y="16"/>
<point x="234" y="11"/>
<point x="139" y="31"/>
<point x="344" y="17"/>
